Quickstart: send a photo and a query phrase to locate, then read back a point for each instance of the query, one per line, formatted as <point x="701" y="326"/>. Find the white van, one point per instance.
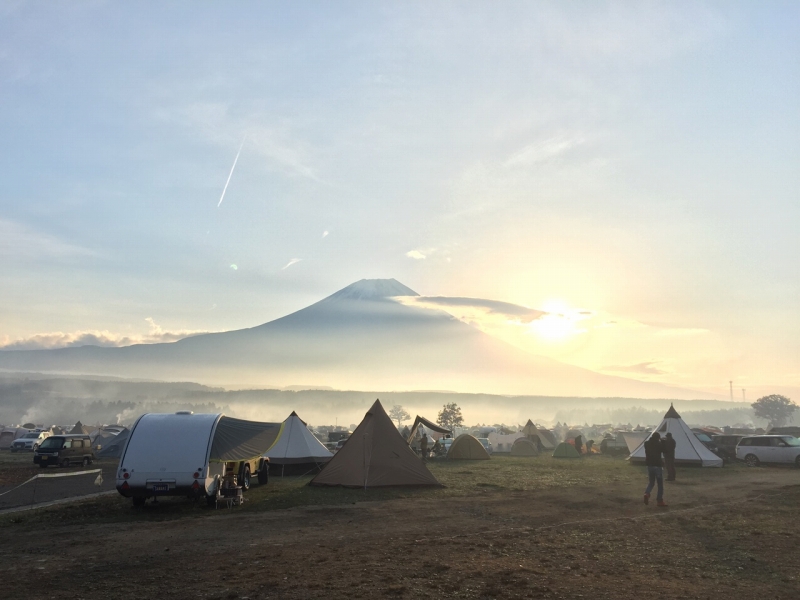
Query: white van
<point x="187" y="454"/>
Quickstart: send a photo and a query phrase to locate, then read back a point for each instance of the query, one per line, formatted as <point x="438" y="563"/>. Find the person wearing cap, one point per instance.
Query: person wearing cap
<point x="655" y="474"/>
<point x="668" y="448"/>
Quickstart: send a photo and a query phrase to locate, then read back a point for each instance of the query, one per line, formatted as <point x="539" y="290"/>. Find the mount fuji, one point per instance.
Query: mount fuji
<point x="359" y="338"/>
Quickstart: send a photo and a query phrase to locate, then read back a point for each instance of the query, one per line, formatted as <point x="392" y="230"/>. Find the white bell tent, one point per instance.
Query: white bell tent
<point x="688" y="449"/>
<point x="297" y="445"/>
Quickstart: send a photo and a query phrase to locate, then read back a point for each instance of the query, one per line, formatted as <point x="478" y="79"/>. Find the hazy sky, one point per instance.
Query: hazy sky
<point x="632" y="167"/>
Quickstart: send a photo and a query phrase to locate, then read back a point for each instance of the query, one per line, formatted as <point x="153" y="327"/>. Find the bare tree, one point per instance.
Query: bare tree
<point x="399" y="414"/>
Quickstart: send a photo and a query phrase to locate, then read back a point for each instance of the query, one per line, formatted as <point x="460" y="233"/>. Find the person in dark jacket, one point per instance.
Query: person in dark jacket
<point x="652" y="453"/>
<point x="579" y="444"/>
<point x="668" y="449"/>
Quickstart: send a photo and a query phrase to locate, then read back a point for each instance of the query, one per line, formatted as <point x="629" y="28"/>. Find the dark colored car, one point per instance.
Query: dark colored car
<point x="706" y="440"/>
<point x="64" y="450"/>
<point x="727" y="445"/>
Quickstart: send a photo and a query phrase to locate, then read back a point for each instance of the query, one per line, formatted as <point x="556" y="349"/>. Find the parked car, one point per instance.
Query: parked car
<point x="706" y="440"/>
<point x="29" y="441"/>
<point x="486" y="444"/>
<point x="727" y="444"/>
<point x="64" y="450"/>
<point x="754" y="450"/>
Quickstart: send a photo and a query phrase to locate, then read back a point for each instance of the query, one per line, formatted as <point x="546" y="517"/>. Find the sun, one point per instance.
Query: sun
<point x="559" y="324"/>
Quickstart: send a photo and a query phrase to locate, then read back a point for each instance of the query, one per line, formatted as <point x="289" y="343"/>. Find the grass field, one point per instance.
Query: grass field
<point x="470" y="479"/>
<point x="504" y="528"/>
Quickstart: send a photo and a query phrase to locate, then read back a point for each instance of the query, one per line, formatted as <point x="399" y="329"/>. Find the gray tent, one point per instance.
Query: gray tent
<point x="376" y="455"/>
<point x="115" y="446"/>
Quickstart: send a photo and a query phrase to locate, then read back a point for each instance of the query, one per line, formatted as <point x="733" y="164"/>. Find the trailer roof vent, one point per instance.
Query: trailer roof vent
<point x="185" y="412"/>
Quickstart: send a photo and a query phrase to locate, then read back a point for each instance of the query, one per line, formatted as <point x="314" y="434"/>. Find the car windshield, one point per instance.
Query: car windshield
<point x="51" y="443"/>
<point x="28" y="436"/>
<point x="791" y="441"/>
<point x="703" y="437"/>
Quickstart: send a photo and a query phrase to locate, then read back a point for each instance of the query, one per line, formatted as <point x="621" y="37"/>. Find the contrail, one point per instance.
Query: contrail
<point x="225" y="189"/>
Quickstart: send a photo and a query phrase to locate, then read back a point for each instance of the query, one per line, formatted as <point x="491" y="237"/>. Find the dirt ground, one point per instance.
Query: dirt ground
<point x="736" y="533"/>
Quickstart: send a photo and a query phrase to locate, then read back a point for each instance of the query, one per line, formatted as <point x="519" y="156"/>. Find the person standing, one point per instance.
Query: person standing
<point x="579" y="444"/>
<point x="652" y="453"/>
<point x="423" y="446"/>
<point x="668" y="448"/>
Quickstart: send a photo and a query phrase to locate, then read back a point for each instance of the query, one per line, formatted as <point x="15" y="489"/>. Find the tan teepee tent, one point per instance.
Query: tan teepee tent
<point x="524" y="447"/>
<point x="467" y="447"/>
<point x="530" y="430"/>
<point x="376" y="455"/>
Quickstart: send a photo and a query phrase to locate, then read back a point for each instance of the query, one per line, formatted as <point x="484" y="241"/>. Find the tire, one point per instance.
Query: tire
<point x="797" y="462"/>
<point x="86" y="462"/>
<point x="263" y="474"/>
<point x="138" y="501"/>
<point x="65" y="463"/>
<point x="751" y="460"/>
<point x="245" y="479"/>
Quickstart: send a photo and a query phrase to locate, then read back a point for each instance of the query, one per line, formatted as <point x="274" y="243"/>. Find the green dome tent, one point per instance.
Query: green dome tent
<point x="524" y="447"/>
<point x="565" y="450"/>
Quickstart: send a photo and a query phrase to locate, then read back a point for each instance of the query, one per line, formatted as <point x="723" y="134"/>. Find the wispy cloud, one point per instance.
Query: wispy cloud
<point x="294" y="261"/>
<point x="542" y="151"/>
<point x="279" y="143"/>
<point x="104" y="338"/>
<point x="515" y="312"/>
<point x="19" y="241"/>
<point x="683" y="331"/>
<point x="415" y="254"/>
<point x="644" y="368"/>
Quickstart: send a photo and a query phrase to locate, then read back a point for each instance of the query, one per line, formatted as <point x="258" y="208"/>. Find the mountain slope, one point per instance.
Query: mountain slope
<point x="357" y="338"/>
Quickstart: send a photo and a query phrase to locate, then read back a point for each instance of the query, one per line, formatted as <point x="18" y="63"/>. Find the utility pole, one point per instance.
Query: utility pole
<point x="731" y="384"/>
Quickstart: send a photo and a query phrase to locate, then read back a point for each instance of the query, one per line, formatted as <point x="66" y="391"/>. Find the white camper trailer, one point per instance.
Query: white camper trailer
<point x="186" y="454"/>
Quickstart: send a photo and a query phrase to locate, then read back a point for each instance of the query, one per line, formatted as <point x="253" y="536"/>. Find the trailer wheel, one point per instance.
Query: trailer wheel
<point x="263" y="474"/>
<point x="245" y="479"/>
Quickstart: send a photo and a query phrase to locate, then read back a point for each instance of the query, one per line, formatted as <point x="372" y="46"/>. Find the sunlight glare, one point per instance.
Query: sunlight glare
<point x="559" y="324"/>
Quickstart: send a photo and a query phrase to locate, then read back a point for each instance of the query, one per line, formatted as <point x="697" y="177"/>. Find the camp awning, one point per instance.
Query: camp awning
<point x="237" y="439"/>
<point x="429" y="424"/>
